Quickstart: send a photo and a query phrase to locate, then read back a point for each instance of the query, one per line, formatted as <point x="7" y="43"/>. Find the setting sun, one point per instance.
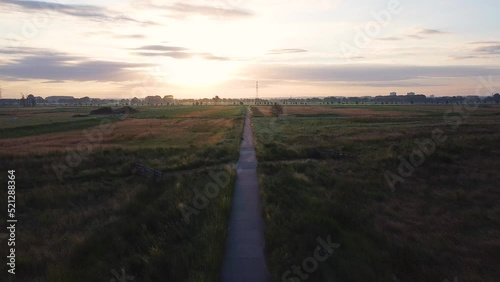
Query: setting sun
<point x="197" y="72"/>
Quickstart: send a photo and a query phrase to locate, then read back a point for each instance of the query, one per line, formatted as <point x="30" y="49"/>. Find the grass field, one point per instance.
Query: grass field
<point x="102" y="217"/>
<point x="85" y="214"/>
<point x="322" y="173"/>
<point x="19" y="117"/>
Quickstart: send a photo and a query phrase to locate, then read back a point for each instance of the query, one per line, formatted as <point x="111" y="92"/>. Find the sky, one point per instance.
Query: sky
<point x="294" y="48"/>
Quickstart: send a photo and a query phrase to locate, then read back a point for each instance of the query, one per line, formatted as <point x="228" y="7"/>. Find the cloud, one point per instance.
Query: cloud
<point x="130" y="36"/>
<point x="174" y="52"/>
<point x="465" y="57"/>
<point x="14" y="79"/>
<point x="484" y="42"/>
<point x="481" y="50"/>
<point x="83" y="11"/>
<point x="54" y="81"/>
<point x="27" y="51"/>
<point x="161" y="48"/>
<point x="175" y="55"/>
<point x="492" y="49"/>
<point x="390" y="38"/>
<point x="403" y="83"/>
<point x="182" y="10"/>
<point x="415" y="36"/>
<point x="363" y="72"/>
<point x="114" y="35"/>
<point x="425" y="33"/>
<point x="285" y="51"/>
<point x="431" y="32"/>
<point x="56" y="66"/>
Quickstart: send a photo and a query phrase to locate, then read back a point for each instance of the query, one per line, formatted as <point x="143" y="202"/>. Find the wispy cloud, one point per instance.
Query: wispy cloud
<point x="363" y="73"/>
<point x="161" y="48"/>
<point x="285" y="51"/>
<point x="481" y="50"/>
<point x="54" y="81"/>
<point x="182" y="10"/>
<point x="57" y="66"/>
<point x="175" y="52"/>
<point x="491" y="49"/>
<point x="484" y="42"/>
<point x="425" y="33"/>
<point x="390" y="38"/>
<point x="110" y="34"/>
<point x="431" y="32"/>
<point x="90" y="12"/>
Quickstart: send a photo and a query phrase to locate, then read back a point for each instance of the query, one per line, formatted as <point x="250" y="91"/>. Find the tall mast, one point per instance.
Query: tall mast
<point x="256" y="92"/>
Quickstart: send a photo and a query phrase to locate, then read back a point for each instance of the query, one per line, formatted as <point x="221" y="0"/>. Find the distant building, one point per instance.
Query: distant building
<point x="410" y="94"/>
<point x="432" y="96"/>
<point x="393" y="94"/>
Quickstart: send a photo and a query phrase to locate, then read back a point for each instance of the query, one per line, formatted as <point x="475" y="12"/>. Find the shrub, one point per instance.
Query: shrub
<point x="277" y="110"/>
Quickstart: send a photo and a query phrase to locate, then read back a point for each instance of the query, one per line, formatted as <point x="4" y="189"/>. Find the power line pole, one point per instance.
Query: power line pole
<point x="0" y="91"/>
<point x="256" y="92"/>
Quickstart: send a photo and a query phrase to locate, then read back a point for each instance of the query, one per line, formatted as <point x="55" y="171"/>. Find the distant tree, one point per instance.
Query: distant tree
<point x="167" y="99"/>
<point x="23" y="100"/>
<point x="276" y="110"/>
<point x="30" y="101"/>
<point x="85" y="100"/>
<point x="153" y="100"/>
<point x="135" y="101"/>
<point x="496" y="98"/>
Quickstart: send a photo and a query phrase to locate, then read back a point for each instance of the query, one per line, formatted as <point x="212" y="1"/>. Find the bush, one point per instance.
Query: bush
<point x="277" y="110"/>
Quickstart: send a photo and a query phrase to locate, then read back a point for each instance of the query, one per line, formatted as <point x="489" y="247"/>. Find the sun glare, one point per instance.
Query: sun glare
<point x="197" y="72"/>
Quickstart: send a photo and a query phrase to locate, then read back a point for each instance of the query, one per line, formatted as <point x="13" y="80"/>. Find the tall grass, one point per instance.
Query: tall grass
<point x="103" y="218"/>
<point x="439" y="224"/>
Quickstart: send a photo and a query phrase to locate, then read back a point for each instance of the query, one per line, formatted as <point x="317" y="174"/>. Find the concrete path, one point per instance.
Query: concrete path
<point x="244" y="259"/>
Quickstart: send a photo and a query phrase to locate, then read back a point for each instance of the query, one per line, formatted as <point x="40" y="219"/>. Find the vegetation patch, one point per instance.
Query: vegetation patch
<point x="110" y="111"/>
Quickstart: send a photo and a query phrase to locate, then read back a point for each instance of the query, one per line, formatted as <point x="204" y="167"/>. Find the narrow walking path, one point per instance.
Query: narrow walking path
<point x="244" y="259"/>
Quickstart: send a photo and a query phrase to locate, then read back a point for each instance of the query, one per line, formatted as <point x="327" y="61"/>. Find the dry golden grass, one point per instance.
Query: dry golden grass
<point x="131" y="133"/>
